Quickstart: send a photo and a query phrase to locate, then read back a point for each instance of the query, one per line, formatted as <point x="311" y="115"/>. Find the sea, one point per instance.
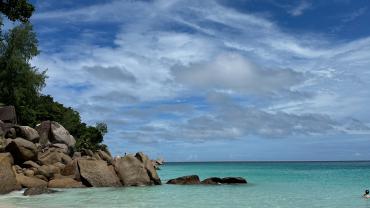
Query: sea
<point x="270" y="185"/>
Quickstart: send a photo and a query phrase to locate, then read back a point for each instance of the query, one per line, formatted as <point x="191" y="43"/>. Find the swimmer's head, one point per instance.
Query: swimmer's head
<point x="366" y="191"/>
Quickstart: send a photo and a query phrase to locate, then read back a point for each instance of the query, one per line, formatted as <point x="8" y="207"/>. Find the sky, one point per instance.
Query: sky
<point x="214" y="80"/>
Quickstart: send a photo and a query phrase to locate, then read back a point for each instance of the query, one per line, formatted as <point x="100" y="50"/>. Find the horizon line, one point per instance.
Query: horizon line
<point x="266" y="161"/>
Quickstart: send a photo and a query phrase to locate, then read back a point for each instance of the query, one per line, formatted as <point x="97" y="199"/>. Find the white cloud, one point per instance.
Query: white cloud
<point x="234" y="72"/>
<point x="300" y="8"/>
<point x="163" y="50"/>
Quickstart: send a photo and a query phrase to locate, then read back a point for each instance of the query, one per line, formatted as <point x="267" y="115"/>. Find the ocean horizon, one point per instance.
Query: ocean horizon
<point x="270" y="184"/>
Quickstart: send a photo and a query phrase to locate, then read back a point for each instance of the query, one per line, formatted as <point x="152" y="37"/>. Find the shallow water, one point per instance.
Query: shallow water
<point x="308" y="184"/>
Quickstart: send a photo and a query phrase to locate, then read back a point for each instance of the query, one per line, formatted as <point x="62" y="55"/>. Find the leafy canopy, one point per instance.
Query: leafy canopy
<point x="16" y="9"/>
<point x="21" y="85"/>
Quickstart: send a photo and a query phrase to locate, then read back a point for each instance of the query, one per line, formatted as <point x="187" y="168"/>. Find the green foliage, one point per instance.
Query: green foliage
<point x="91" y="138"/>
<point x="16" y="9"/>
<point x="21" y="83"/>
<point x="102" y="128"/>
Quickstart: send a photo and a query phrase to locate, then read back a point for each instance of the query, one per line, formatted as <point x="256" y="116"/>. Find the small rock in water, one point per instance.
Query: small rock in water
<point x="212" y="181"/>
<point x="185" y="180"/>
<point x="233" y="180"/>
<point x="38" y="191"/>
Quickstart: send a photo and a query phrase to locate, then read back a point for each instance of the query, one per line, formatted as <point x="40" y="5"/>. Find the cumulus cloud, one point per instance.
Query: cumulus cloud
<point x="234" y="72"/>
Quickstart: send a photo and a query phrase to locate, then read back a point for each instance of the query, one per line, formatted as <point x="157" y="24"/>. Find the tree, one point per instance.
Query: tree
<point x="102" y="128"/>
<point x="92" y="137"/>
<point x="17" y="9"/>
<point x="20" y="83"/>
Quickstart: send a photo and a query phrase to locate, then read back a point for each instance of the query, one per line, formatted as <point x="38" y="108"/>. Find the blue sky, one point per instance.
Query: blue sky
<point x="215" y="79"/>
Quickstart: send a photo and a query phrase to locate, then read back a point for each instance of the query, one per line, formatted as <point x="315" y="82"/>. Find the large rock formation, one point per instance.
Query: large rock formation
<point x="61" y="135"/>
<point x="22" y="150"/>
<point x="44" y="130"/>
<point x="28" y="133"/>
<point x="8" y="181"/>
<point x="42" y="158"/>
<point x="97" y="173"/>
<point x="136" y="170"/>
<point x="185" y="180"/>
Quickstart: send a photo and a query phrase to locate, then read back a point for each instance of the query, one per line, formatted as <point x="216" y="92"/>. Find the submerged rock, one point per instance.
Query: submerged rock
<point x="227" y="180"/>
<point x="212" y="181"/>
<point x="194" y="179"/>
<point x="185" y="180"/>
<point x="38" y="191"/>
<point x="233" y="180"/>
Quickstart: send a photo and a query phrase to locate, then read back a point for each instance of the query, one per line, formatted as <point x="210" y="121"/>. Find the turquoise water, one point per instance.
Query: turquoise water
<point x="298" y="185"/>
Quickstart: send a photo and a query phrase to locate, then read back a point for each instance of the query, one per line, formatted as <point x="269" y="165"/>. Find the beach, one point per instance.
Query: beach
<point x="270" y="184"/>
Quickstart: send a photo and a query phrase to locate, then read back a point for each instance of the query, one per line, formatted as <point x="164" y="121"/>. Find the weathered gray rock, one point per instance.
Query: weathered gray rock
<point x="41" y="177"/>
<point x="28" y="133"/>
<point x="11" y="133"/>
<point x="52" y="156"/>
<point x="152" y="172"/>
<point x="61" y="135"/>
<point x="22" y="150"/>
<point x="105" y="156"/>
<point x="29" y="172"/>
<point x="136" y="171"/>
<point x="96" y="156"/>
<point x="44" y="130"/>
<point x="30" y="182"/>
<point x="47" y="170"/>
<point x="87" y="152"/>
<point x="65" y="183"/>
<point x="8" y="180"/>
<point x="185" y="180"/>
<point x="30" y="164"/>
<point x="97" y="173"/>
<point x="71" y="169"/>
<point x="62" y="147"/>
<point x="38" y="191"/>
<point x="59" y="165"/>
<point x="8" y="114"/>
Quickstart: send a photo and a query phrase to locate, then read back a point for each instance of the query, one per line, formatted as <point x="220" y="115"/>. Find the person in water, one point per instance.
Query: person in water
<point x="366" y="195"/>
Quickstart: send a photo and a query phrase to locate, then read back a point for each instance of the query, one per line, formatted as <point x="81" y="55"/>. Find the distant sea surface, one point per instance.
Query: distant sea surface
<point x="270" y="185"/>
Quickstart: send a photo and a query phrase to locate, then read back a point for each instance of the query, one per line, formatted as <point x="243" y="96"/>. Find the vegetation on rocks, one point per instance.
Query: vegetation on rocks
<point x="21" y="83"/>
